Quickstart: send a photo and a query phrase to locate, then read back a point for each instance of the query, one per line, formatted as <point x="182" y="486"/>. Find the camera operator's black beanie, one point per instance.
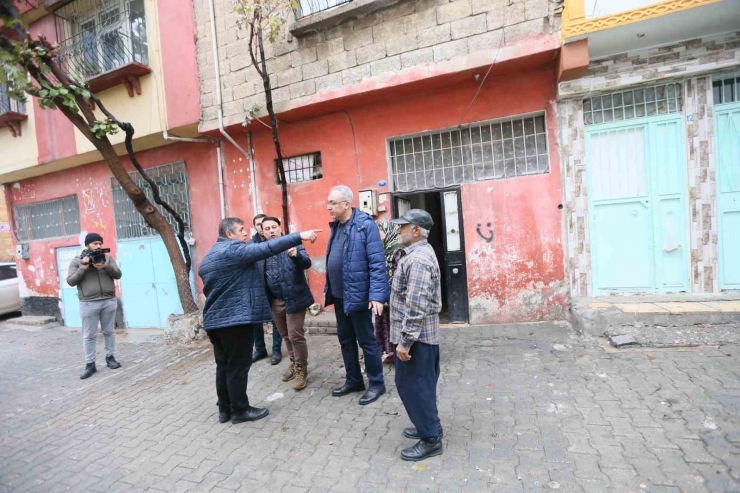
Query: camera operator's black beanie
<point x="93" y="237"/>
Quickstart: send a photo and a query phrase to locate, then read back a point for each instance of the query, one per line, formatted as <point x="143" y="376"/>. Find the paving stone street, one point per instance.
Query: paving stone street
<point x="525" y="408"/>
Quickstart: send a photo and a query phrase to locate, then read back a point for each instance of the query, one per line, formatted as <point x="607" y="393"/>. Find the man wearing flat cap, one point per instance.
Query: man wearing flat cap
<point x="416" y="300"/>
<point x="94" y="273"/>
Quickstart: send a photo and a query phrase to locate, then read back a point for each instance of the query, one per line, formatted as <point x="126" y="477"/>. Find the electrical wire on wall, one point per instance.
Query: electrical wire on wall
<point x="501" y="44"/>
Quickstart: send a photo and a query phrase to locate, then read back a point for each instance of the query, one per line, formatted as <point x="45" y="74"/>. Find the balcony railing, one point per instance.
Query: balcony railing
<point x="308" y="7"/>
<point x="101" y="36"/>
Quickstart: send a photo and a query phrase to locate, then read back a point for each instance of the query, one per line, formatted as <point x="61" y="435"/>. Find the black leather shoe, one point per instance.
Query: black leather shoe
<point x="224" y="416"/>
<point x="277" y="357"/>
<point x="347" y="389"/>
<point x="372" y="395"/>
<point x="258" y="355"/>
<point x="112" y="363"/>
<point x="423" y="450"/>
<point x="89" y="370"/>
<point x="251" y="414"/>
<point x="411" y="433"/>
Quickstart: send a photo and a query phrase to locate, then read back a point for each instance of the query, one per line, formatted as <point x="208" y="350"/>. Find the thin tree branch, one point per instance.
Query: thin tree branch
<point x="251" y="49"/>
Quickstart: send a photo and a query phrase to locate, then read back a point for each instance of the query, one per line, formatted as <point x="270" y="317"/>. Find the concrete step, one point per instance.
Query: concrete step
<point x="660" y="321"/>
<point x="33" y="320"/>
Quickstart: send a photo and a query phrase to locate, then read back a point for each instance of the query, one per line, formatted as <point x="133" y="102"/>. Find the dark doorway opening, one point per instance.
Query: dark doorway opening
<point x="452" y="268"/>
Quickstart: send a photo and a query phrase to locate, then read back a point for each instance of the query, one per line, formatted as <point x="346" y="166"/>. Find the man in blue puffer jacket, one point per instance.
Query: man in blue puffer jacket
<point x="234" y="285"/>
<point x="357" y="286"/>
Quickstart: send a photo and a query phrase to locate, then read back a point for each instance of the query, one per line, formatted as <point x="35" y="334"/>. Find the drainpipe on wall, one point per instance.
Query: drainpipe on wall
<point x="219" y="103"/>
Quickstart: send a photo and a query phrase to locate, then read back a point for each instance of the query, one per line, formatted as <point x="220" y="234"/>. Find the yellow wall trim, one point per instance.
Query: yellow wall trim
<point x="576" y="24"/>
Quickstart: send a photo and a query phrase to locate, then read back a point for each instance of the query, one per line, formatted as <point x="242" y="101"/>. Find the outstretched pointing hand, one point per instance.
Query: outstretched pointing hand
<point x="310" y="235"/>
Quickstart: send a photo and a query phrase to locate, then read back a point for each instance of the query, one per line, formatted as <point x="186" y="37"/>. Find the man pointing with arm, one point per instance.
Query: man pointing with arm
<point x="233" y="276"/>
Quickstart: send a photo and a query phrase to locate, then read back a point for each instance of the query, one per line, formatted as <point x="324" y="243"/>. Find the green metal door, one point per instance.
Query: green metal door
<point x="637" y="202"/>
<point x="728" y="193"/>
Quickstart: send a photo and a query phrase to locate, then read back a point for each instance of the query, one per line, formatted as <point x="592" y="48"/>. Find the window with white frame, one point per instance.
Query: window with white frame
<point x="305" y="167"/>
<point x="494" y="150"/>
<point x="101" y="35"/>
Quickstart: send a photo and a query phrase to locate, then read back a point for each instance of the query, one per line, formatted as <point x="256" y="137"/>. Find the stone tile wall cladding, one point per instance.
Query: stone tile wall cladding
<point x="692" y="62"/>
<point x="409" y="34"/>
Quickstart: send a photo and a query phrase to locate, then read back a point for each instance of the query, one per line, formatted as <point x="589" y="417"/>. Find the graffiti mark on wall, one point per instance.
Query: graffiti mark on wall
<point x="88" y="198"/>
<point x="488" y="238"/>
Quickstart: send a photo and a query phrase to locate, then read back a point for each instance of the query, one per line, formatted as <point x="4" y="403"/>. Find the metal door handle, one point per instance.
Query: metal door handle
<point x="634" y="213"/>
<point x="455" y="270"/>
<point x="671" y="249"/>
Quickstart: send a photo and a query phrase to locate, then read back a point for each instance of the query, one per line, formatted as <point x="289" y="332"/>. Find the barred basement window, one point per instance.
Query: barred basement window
<point x="50" y="219"/>
<point x="172" y="180"/>
<point x="305" y="167"/>
<point x="490" y="151"/>
<point x="727" y="90"/>
<point x="635" y="103"/>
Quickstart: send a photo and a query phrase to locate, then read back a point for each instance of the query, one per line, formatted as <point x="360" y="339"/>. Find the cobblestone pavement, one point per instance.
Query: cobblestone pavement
<point x="529" y="407"/>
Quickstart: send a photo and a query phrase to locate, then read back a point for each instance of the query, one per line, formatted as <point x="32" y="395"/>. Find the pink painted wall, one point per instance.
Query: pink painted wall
<point x="353" y="145"/>
<point x="177" y="40"/>
<point x="54" y="133"/>
<point x="92" y="185"/>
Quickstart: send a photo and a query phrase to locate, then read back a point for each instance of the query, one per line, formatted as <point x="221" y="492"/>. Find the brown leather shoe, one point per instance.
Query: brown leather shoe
<point x="301" y="376"/>
<point x="289" y="374"/>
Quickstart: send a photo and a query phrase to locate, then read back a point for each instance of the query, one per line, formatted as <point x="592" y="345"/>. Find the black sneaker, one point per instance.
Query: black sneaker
<point x="89" y="370"/>
<point x="112" y="363"/>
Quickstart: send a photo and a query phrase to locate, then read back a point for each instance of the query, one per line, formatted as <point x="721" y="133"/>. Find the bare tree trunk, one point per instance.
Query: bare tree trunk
<point x="274" y="125"/>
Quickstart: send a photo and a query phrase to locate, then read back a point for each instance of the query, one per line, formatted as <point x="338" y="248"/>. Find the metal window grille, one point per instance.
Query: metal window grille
<point x="308" y="7"/>
<point x="635" y="103"/>
<point x="172" y="180"/>
<point x="50" y="219"/>
<point x="305" y="167"/>
<point x="8" y="104"/>
<point x="100" y="36"/>
<point x="727" y="90"/>
<point x="490" y="151"/>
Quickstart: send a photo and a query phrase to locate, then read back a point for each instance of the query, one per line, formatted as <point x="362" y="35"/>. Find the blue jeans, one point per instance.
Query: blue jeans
<point x="416" y="383"/>
<point x="353" y="329"/>
<point x="259" y="339"/>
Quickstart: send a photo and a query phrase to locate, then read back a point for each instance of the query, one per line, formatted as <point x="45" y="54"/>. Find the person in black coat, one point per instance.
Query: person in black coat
<point x="234" y="286"/>
<point x="289" y="296"/>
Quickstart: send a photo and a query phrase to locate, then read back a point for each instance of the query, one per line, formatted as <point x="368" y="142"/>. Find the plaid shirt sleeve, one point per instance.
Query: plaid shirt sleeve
<point x="419" y="292"/>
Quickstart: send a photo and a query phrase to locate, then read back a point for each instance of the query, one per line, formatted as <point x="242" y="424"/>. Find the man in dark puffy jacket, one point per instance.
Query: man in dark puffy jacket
<point x="234" y="285"/>
<point x="357" y="286"/>
<point x="290" y="296"/>
<point x="94" y="276"/>
<point x="260" y="349"/>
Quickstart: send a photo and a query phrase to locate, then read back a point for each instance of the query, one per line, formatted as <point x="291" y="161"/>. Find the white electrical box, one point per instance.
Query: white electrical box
<point x="368" y="202"/>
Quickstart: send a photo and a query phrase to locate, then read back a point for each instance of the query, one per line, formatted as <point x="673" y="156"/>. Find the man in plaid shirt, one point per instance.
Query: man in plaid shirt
<point x="416" y="300"/>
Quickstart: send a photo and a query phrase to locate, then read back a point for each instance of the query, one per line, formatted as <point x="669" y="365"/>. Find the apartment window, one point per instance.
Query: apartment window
<point x="101" y="35"/>
<point x="172" y="180"/>
<point x="727" y="90"/>
<point x="305" y="167"/>
<point x="635" y="103"/>
<point x="8" y="104"/>
<point x="50" y="219"/>
<point x="490" y="151"/>
<point x="308" y="7"/>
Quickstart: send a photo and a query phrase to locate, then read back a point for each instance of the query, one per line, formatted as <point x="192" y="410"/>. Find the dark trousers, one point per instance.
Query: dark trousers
<point x="232" y="349"/>
<point x="259" y="339"/>
<point x="416" y="382"/>
<point x="353" y="329"/>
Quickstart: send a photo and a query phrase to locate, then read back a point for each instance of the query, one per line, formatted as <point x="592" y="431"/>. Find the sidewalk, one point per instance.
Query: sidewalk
<point x="526" y="408"/>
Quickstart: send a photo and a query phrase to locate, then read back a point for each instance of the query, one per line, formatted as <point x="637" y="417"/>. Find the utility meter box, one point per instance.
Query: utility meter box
<point x="22" y="251"/>
<point x="368" y="202"/>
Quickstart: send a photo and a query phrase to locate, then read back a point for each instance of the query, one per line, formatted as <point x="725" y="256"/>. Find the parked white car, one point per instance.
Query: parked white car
<point x="10" y="300"/>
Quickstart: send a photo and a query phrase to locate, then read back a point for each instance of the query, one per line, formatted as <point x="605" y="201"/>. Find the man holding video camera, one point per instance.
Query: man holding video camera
<point x="94" y="273"/>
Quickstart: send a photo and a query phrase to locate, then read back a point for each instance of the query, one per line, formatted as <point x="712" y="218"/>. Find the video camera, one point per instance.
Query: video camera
<point x="96" y="256"/>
